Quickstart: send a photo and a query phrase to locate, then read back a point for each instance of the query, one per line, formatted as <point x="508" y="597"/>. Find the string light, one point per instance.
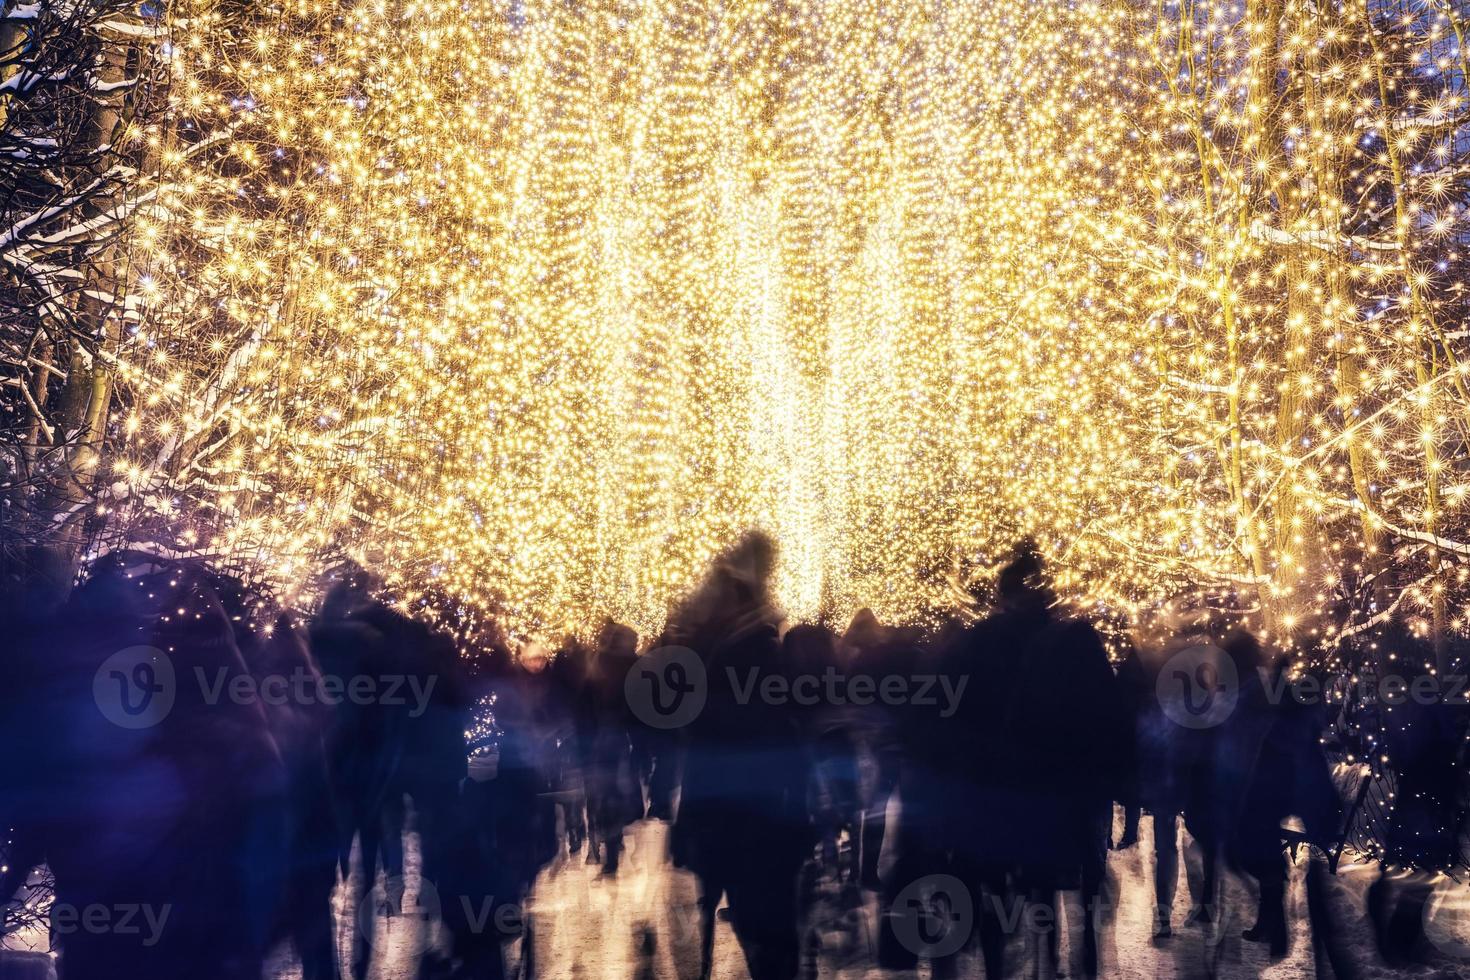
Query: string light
<point x="540" y="304"/>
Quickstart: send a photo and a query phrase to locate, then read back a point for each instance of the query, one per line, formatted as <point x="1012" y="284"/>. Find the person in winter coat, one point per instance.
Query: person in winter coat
<point x="742" y="826"/>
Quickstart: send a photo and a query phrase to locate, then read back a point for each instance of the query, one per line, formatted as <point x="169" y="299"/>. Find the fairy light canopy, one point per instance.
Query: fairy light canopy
<point x="541" y="304"/>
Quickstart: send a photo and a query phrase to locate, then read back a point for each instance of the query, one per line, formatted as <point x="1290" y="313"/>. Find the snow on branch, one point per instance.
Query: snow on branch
<point x="1408" y="534"/>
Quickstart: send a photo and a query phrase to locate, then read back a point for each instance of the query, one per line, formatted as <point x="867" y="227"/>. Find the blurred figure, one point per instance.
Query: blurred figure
<point x="1067" y="732"/>
<point x="742" y="826"/>
<point x="433" y="765"/>
<point x="973" y="778"/>
<point x="354" y="635"/>
<point x="480" y="874"/>
<point x="660" y="752"/>
<point x="505" y="817"/>
<point x="1223" y="758"/>
<point x="868" y="650"/>
<point x="273" y="645"/>
<point x="614" y="793"/>
<point x="1134" y="678"/>
<point x="1424" y="739"/>
<point x="1250" y="795"/>
<point x="387" y="749"/>
<point x="1166" y="758"/>
<point x="830" y="896"/>
<point x="1292" y="783"/>
<point x="570" y="683"/>
<point x="182" y="817"/>
<point x="811" y="651"/>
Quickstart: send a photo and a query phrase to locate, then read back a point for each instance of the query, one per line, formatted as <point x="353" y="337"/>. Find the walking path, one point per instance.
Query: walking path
<point x="642" y="924"/>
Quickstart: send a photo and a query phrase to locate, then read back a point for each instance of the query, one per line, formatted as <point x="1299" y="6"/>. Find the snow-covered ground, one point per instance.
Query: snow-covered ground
<point x="641" y="925"/>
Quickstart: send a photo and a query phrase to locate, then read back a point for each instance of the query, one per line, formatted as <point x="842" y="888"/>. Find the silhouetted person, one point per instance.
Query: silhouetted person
<point x="433" y="762"/>
<point x="1423" y="739"/>
<point x="742" y="827"/>
<point x="275" y="647"/>
<point x="481" y="881"/>
<point x="1276" y="741"/>
<point x="868" y="650"/>
<point x="1136" y="691"/>
<point x="1166" y="757"/>
<point x="356" y="636"/>
<point x="572" y="686"/>
<point x="184" y="817"/>
<point x="614" y="793"/>
<point x="521" y="802"/>
<point x="1223" y="759"/>
<point x="974" y="776"/>
<point x="811" y="653"/>
<point x="1255" y="768"/>
<point x="660" y="752"/>
<point x="1067" y="730"/>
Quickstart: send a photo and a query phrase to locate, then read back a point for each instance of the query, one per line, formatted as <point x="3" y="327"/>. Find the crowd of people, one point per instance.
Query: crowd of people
<point x="241" y="815"/>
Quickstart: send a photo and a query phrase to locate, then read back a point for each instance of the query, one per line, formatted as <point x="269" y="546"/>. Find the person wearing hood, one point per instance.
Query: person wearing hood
<point x="742" y="826"/>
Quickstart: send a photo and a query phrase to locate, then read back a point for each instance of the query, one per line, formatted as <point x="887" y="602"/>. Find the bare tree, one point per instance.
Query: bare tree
<point x="75" y="110"/>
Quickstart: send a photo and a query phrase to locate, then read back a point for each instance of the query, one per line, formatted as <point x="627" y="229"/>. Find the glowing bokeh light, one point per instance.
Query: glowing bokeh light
<point x="541" y="303"/>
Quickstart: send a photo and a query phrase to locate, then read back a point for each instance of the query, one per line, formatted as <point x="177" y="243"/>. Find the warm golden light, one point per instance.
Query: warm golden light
<point x="542" y="303"/>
